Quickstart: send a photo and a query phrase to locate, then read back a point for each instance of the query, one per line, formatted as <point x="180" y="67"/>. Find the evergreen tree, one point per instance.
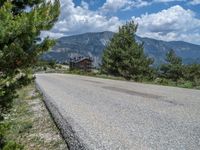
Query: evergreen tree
<point x="124" y="57"/>
<point x="173" y="69"/>
<point x="192" y="73"/>
<point x="21" y="22"/>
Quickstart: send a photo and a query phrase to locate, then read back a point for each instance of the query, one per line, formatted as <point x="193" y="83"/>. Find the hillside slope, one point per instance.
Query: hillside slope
<point x="93" y="44"/>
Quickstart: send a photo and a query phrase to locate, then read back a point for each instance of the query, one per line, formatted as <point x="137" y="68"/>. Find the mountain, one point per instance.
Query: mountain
<point x="93" y="44"/>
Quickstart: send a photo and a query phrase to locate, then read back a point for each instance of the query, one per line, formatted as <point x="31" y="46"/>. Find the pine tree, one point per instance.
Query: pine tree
<point x="173" y="69"/>
<point x="191" y="72"/>
<point x="21" y="22"/>
<point x="124" y="57"/>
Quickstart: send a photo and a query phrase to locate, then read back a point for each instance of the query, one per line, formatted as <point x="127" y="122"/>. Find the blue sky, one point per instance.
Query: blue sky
<point x="138" y="11"/>
<point x="160" y="19"/>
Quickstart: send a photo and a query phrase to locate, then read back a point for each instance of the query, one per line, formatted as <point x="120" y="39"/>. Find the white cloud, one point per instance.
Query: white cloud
<point x="167" y="1"/>
<point x="75" y="20"/>
<point x="174" y="23"/>
<point x="115" y="5"/>
<point x="191" y="2"/>
<point x="51" y="34"/>
<point x="194" y="2"/>
<point x="137" y="4"/>
<point x="84" y="4"/>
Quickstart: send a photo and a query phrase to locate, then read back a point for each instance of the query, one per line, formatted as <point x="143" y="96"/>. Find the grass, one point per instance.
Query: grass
<point x="29" y="125"/>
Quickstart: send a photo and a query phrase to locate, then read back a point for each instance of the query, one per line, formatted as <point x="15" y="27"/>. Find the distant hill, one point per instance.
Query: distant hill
<point x="93" y="44"/>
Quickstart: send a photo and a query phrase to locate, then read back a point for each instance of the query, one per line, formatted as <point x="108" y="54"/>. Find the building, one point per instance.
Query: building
<point x="81" y="63"/>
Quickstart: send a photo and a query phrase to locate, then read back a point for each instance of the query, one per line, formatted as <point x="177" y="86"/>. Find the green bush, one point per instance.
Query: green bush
<point x="162" y="81"/>
<point x="11" y="145"/>
<point x="3" y="129"/>
<point x="187" y="84"/>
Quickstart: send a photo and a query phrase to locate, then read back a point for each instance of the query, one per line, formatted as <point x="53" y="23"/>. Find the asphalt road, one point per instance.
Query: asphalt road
<point x="103" y="114"/>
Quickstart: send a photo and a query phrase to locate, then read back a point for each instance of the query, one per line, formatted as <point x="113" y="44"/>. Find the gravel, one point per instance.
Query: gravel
<point x="94" y="113"/>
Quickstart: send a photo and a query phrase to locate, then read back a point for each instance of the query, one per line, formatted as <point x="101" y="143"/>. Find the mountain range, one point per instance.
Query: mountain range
<point x="93" y="44"/>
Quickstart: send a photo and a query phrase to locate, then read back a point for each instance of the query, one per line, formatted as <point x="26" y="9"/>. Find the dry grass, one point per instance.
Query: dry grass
<point x="30" y="124"/>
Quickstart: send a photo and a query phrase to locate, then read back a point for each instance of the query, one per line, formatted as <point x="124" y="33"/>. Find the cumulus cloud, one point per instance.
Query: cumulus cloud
<point x="174" y="23"/>
<point x="75" y="20"/>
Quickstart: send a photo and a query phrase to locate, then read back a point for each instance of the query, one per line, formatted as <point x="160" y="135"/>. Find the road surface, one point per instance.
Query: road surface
<point x="104" y="114"/>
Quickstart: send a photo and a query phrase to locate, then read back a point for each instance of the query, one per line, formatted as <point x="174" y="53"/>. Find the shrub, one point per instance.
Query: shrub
<point x="11" y="145"/>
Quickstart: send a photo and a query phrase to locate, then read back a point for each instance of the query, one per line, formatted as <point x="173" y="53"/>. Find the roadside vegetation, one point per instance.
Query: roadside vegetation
<point x="21" y="23"/>
<point x="124" y="57"/>
<point x="175" y="73"/>
<point x="29" y="126"/>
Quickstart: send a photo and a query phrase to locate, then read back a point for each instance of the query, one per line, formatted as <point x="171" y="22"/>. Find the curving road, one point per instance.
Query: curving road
<point x="103" y="114"/>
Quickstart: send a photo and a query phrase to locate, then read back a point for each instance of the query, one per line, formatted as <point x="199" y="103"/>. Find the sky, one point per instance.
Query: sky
<point x="168" y="20"/>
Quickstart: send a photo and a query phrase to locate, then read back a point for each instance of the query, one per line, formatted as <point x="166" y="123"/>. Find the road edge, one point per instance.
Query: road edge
<point x="66" y="130"/>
